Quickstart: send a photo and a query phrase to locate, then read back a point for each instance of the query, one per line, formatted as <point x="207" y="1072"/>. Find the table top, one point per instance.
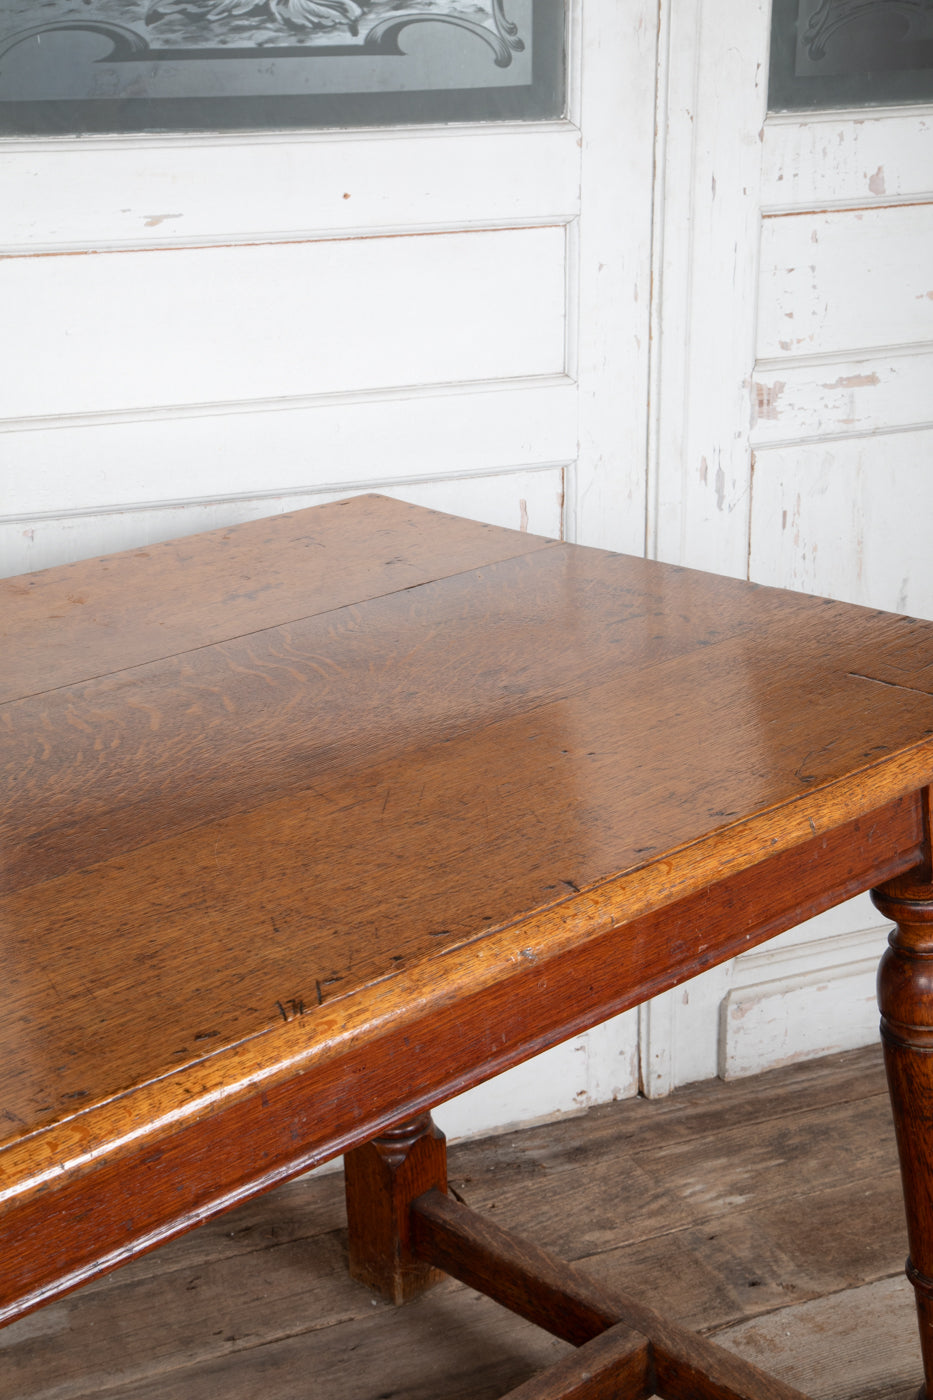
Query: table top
<point x="270" y="791"/>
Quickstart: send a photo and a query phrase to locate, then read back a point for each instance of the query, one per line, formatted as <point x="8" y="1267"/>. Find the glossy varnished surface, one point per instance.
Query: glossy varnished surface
<point x="272" y="793"/>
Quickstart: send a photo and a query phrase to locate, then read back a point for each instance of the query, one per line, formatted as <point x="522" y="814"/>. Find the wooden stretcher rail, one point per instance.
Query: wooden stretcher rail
<point x="554" y="1295"/>
<point x="617" y="1365"/>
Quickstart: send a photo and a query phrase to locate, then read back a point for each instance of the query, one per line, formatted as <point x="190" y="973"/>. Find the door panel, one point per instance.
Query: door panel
<point x="216" y="325"/>
<point x="151" y="192"/>
<point x="99" y="462"/>
<point x="839" y="281"/>
<point x="830" y="158"/>
<point x="848" y="519"/>
<point x="520" y="500"/>
<point x="879" y="391"/>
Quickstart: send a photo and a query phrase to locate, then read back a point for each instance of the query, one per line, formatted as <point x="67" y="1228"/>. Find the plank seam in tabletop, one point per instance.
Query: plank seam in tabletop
<point x="846" y="788"/>
<point x="892" y="685"/>
<point x="597" y="681"/>
<point x="258" y="631"/>
<point x="45" y="842"/>
<point x="805" y="604"/>
<point x="545" y="544"/>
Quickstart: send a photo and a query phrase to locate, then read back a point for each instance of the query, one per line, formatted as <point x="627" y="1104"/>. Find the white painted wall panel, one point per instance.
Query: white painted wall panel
<point x="848" y="519"/>
<point x="174" y="190"/>
<point x="709" y="1032"/>
<point x="837" y="282"/>
<point x="793" y="1005"/>
<point x="830" y="158"/>
<point x="523" y="500"/>
<point x="843" y="398"/>
<point x="597" y="1067"/>
<point x="91" y="464"/>
<point x="125" y="330"/>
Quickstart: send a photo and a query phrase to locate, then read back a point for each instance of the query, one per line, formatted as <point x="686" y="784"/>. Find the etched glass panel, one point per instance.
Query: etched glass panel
<point x="850" y="53"/>
<point x="152" y="65"/>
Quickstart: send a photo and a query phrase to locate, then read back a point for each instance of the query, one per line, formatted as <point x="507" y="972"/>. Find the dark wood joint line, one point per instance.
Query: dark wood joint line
<point x="926" y="809"/>
<point x="512" y="1271"/>
<point x="905" y="975"/>
<point x="920" y="1281"/>
<point x="616" y="1365"/>
<point x="543" y="1289"/>
<point x="917" y="883"/>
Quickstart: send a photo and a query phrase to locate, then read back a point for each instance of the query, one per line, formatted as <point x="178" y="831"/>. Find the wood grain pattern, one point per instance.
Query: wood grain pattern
<point x="174" y="598"/>
<point x="286" y="709"/>
<point x="285" y="865"/>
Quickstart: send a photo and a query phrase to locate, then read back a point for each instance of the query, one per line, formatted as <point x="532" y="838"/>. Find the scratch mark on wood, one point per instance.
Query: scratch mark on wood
<point x="894" y="685"/>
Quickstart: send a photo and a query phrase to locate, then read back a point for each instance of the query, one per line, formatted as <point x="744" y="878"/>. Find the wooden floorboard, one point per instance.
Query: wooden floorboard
<point x="765" y="1211"/>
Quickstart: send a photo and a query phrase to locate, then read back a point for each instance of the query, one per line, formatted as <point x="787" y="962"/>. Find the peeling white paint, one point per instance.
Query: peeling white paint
<point x="720" y="488"/>
<point x="766" y="399"/>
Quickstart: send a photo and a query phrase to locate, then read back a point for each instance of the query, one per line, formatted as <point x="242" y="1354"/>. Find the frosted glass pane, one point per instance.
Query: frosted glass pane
<point x="151" y="65"/>
<point x="850" y="53"/>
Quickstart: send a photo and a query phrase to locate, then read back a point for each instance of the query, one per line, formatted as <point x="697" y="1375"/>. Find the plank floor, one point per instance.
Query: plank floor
<point x="766" y="1212"/>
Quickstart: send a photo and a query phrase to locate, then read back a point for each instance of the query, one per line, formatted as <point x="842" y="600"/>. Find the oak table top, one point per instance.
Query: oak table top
<point x="313" y="822"/>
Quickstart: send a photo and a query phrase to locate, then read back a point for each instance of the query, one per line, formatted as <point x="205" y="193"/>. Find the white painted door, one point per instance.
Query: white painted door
<point x="210" y="328"/>
<point x="792" y="435"/>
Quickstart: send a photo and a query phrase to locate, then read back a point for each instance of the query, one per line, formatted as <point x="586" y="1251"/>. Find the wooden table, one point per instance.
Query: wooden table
<point x="312" y="823"/>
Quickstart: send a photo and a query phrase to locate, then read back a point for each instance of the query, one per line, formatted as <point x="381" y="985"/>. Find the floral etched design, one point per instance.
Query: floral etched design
<point x="834" y="15"/>
<point x="202" y="27"/>
<point x="295" y="14"/>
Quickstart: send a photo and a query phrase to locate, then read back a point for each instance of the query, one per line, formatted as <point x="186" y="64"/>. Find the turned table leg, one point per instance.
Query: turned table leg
<point x="905" y="996"/>
<point x="382" y="1179"/>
